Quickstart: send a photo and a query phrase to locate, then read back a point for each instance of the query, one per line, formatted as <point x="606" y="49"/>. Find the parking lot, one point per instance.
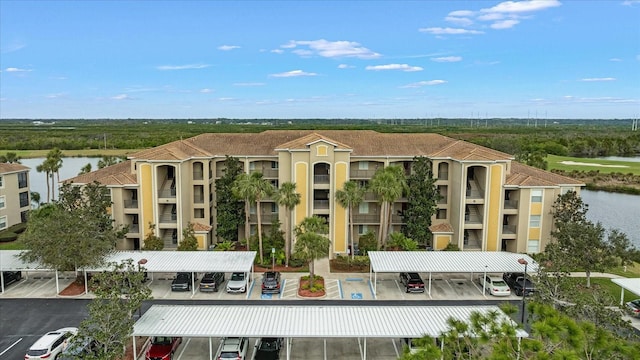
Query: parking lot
<point x="338" y="287"/>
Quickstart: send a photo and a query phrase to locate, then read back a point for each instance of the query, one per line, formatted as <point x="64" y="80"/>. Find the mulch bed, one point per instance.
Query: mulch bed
<point x="309" y="293"/>
<point x="341" y="266"/>
<point x="74" y="289"/>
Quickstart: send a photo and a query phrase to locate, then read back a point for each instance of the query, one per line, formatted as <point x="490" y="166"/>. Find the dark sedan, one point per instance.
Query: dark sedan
<point x="182" y="282"/>
<point x="268" y="349"/>
<point x="520" y="286"/>
<point x="271" y="282"/>
<point x="9" y="277"/>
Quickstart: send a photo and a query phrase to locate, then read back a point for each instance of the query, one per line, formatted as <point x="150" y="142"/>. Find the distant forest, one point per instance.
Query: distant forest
<point x="573" y="137"/>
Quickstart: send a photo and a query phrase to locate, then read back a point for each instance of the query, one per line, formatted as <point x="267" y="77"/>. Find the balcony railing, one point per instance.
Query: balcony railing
<point x="171" y="193"/>
<point x="366" y="218"/>
<point x="198" y="175"/>
<point x="321" y="179"/>
<point x="165" y="218"/>
<point x="509" y="229"/>
<point x="134" y="228"/>
<point x="511" y="204"/>
<point x="443" y="176"/>
<point x="442" y="200"/>
<point x="198" y="198"/>
<point x="131" y="204"/>
<point x="320" y="204"/>
<point x="370" y="196"/>
<point x="475" y="194"/>
<point x="264" y="218"/>
<point x="362" y="174"/>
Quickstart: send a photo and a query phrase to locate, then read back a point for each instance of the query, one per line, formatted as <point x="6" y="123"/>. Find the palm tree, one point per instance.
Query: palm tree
<point x="107" y="161"/>
<point x="55" y="158"/>
<point x="10" y="157"/>
<point x="289" y="198"/>
<point x="46" y="167"/>
<point x="35" y="198"/>
<point x="262" y="189"/>
<point x="242" y="189"/>
<point x="351" y="195"/>
<point x="311" y="242"/>
<point x="85" y="169"/>
<point x="388" y="184"/>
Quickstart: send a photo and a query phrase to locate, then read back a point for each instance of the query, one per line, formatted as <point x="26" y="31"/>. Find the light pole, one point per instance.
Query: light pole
<point x="524" y="287"/>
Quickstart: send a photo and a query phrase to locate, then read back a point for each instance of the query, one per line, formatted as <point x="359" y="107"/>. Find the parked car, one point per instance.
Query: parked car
<point x="51" y="344"/>
<point x="271" y="282"/>
<point x="237" y="283"/>
<point x="162" y="348"/>
<point x="634" y="307"/>
<point x="233" y="348"/>
<point x="11" y="276"/>
<point x="518" y="284"/>
<point x="211" y="281"/>
<point x="182" y="282"/>
<point x="78" y="349"/>
<point x="412" y="282"/>
<point x="495" y="285"/>
<point x="268" y="349"/>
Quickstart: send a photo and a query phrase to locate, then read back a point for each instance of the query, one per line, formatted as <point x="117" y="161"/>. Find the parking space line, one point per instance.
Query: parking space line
<point x="340" y="289"/>
<point x="39" y="287"/>
<point x="10" y="346"/>
<point x="395" y="348"/>
<point x="284" y="283"/>
<point x="373" y="293"/>
<point x="184" y="347"/>
<point x="399" y="289"/>
<point x="448" y="283"/>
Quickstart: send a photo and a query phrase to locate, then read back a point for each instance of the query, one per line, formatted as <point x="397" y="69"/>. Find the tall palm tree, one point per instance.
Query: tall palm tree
<point x="350" y="196"/>
<point x="107" y="161"/>
<point x="242" y="189"/>
<point x="262" y="190"/>
<point x="46" y="167"/>
<point x="311" y="242"/>
<point x="85" y="169"/>
<point x="288" y="198"/>
<point x="55" y="158"/>
<point x="388" y="184"/>
<point x="35" y="198"/>
<point x="10" y="158"/>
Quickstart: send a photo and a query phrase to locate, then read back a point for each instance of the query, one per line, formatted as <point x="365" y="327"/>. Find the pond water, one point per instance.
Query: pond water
<point x="70" y="168"/>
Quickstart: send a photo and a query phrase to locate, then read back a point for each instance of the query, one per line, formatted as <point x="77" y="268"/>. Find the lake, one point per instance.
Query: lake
<point x="613" y="210"/>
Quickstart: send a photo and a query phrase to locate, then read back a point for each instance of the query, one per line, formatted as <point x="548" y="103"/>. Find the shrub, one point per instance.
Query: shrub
<point x="8" y="236"/>
<point x="225" y="246"/>
<point x="451" y="247"/>
<point x="367" y="242"/>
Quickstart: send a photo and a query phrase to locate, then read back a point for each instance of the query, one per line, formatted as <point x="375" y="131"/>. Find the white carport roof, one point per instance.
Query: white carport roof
<point x="631" y="284"/>
<point x="303" y="321"/>
<point x="10" y="261"/>
<point x="449" y="261"/>
<point x="186" y="261"/>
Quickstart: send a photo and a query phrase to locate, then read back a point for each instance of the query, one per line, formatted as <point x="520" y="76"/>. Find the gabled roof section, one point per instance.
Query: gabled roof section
<point x="114" y="175"/>
<point x="463" y="150"/>
<point x="177" y="150"/>
<point x="441" y="228"/>
<point x="198" y="227"/>
<point x="7" y="168"/>
<point x="525" y="175"/>
<point x="305" y="141"/>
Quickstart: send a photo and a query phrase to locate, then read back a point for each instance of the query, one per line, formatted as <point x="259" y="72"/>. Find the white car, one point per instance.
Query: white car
<point x="51" y="344"/>
<point x="233" y="348"/>
<point x="496" y="285"/>
<point x="237" y="283"/>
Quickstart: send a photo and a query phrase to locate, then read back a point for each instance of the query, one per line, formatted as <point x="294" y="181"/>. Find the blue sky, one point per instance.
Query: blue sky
<point x="320" y="59"/>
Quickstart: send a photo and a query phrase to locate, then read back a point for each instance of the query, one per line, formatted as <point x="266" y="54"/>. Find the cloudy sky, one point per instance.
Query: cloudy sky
<point x="320" y="59"/>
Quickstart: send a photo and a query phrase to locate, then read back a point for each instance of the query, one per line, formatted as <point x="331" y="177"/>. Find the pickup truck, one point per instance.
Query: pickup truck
<point x="517" y="282"/>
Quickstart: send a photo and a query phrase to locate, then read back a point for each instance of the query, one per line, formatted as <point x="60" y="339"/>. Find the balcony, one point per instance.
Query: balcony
<point x="131" y="204"/>
<point x="134" y="229"/>
<point x="198" y="198"/>
<point x="321" y="179"/>
<point x="511" y="207"/>
<point x="509" y="231"/>
<point x="198" y="175"/>
<point x="321" y="204"/>
<point x="361" y="174"/>
<point x="167" y="218"/>
<point x="167" y="194"/>
<point x="442" y="200"/>
<point x="264" y="218"/>
<point x="366" y="219"/>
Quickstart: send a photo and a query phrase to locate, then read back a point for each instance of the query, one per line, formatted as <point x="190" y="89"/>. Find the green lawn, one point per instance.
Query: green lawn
<point x="28" y="154"/>
<point x="613" y="289"/>
<point x="13" y="245"/>
<point x="554" y="162"/>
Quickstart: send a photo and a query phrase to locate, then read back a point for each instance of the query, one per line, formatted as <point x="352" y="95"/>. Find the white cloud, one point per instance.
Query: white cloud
<point x="182" y="67"/>
<point x="345" y="66"/>
<point x="447" y="59"/>
<point x="461" y="13"/>
<point x="121" y="97"/>
<point x="449" y="31"/>
<point x="249" y="84"/>
<point x="226" y="99"/>
<point x="490" y="17"/>
<point x="293" y="73"/>
<point x="504" y="24"/>
<point x="206" y="91"/>
<point x="228" y="47"/>
<point x="403" y="67"/>
<point x="598" y="79"/>
<point x="424" y="83"/>
<point x="277" y="51"/>
<point x="14" y="69"/>
<point x="461" y="21"/>
<point x="55" y="96"/>
<point x="331" y="49"/>
<point x="522" y="6"/>
<point x="630" y="2"/>
<point x="615" y="59"/>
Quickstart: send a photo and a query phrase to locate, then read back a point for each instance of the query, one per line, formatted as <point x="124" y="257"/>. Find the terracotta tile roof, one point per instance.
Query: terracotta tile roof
<point x="303" y="142"/>
<point x="177" y="150"/>
<point x="6" y="168"/>
<point x="198" y="227"/>
<point x="441" y="228"/>
<point x="118" y="174"/>
<point x="524" y="175"/>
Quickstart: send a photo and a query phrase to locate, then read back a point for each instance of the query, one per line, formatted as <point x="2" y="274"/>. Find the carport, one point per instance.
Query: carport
<point x="10" y="261"/>
<point x="631" y="284"/>
<point x="430" y="262"/>
<point x="183" y="261"/>
<point x="213" y="321"/>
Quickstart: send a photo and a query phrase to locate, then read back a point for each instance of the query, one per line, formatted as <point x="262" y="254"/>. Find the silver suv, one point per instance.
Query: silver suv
<point x="51" y="344"/>
<point x="233" y="348"/>
<point x="237" y="283"/>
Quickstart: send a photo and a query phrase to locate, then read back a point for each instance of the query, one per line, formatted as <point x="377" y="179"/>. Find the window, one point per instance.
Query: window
<point x="536" y="195"/>
<point x="198" y="213"/>
<point x="252" y="166"/>
<point x="22" y="180"/>
<point x="533" y="246"/>
<point x="534" y="221"/>
<point x="363" y="208"/>
<point x="3" y="223"/>
<point x="2" y="201"/>
<point x="24" y="216"/>
<point x="362" y="229"/>
<point x="1" y="182"/>
<point x="252" y="209"/>
<point x="274" y="164"/>
<point x="363" y="165"/>
<point x="274" y="208"/>
<point x="24" y="199"/>
<point x="442" y="214"/>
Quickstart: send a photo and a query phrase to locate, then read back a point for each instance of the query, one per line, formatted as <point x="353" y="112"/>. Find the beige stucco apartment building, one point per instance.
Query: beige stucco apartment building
<point x="489" y="201"/>
<point x="14" y="194"/>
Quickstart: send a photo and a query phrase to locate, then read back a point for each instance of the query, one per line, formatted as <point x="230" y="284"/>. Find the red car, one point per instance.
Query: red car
<point x="162" y="348"/>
